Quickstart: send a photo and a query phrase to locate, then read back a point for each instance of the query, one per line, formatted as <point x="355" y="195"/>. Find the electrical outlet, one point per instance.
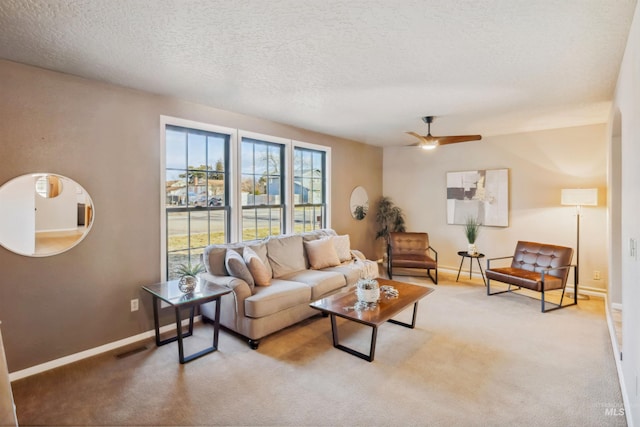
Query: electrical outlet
<point x="134" y="304"/>
<point x="596" y="275"/>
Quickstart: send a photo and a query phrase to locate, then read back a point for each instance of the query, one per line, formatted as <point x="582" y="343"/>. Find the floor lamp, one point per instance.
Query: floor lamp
<point x="579" y="197"/>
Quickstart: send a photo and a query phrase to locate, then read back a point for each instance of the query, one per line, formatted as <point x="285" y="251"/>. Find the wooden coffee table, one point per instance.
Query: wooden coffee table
<point x="342" y="305"/>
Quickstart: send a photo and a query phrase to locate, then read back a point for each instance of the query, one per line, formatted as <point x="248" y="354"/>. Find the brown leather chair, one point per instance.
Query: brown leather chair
<point x="411" y="250"/>
<point x="536" y="266"/>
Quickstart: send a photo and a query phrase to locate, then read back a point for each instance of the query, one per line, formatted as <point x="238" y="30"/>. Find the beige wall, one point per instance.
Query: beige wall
<point x="107" y="139"/>
<point x="540" y="164"/>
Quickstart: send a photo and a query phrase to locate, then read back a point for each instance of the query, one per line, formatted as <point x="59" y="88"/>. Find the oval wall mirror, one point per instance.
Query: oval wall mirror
<point x="43" y="214"/>
<point x="359" y="203"/>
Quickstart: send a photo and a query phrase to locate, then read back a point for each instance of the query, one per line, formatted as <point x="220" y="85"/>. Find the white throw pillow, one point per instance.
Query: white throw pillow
<point x="237" y="268"/>
<point x="343" y="247"/>
<point x="322" y="253"/>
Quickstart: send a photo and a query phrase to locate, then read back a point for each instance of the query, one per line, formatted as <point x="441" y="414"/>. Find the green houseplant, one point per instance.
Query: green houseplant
<point x="389" y="218"/>
<point x="471" y="230"/>
<point x="188" y="275"/>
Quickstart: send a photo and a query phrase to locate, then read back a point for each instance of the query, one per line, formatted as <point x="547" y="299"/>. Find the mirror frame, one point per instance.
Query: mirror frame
<point x="19" y="210"/>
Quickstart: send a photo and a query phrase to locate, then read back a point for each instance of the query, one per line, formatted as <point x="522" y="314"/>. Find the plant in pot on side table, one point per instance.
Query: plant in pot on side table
<point x="188" y="276"/>
<point x="471" y="230"/>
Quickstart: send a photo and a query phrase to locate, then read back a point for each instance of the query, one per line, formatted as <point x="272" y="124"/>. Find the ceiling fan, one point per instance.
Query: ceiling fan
<point x="429" y="142"/>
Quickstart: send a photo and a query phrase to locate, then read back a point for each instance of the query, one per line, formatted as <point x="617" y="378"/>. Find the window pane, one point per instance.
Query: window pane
<point x="175" y="149"/>
<point x="273" y="158"/>
<point x="199" y="229"/>
<point x="248" y="190"/>
<point x="274" y="191"/>
<point x="174" y="259"/>
<point x="247" y="157"/>
<point x="177" y="230"/>
<point x="175" y="188"/>
<point x="216" y="185"/>
<point x="249" y="228"/>
<point x="275" y="223"/>
<point x="216" y="152"/>
<point x="197" y="151"/>
<point x="217" y="226"/>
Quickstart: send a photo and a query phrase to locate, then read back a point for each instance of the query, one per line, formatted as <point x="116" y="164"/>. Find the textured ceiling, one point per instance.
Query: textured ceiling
<point x="364" y="70"/>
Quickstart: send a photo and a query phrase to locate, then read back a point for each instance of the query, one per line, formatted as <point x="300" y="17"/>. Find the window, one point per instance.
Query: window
<point x="309" y="189"/>
<point x="196" y="193"/>
<point x="226" y="185"/>
<point x="262" y="188"/>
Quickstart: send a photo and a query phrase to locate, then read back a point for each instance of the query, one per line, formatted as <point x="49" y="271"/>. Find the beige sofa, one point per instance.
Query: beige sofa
<point x="301" y="267"/>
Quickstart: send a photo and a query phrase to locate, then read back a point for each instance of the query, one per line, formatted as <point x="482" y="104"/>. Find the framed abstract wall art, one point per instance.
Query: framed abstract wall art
<point x="481" y="194"/>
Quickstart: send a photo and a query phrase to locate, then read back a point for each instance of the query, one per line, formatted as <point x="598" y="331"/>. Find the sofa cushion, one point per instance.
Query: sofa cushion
<point x="343" y="247"/>
<point x="350" y="272"/>
<point x="214" y="257"/>
<point x="257" y="268"/>
<point x="285" y="254"/>
<point x="237" y="268"/>
<point x="281" y="295"/>
<point x="320" y="282"/>
<point x="321" y="253"/>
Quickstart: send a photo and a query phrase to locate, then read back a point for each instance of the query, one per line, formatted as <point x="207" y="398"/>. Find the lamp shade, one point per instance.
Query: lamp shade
<point x="579" y="197"/>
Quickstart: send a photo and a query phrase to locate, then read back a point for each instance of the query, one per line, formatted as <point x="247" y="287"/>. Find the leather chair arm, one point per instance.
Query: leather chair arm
<point x="495" y="259"/>
<point x="434" y="251"/>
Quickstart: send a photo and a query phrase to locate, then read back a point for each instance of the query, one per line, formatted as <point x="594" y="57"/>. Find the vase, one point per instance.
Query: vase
<point x="368" y="295"/>
<point x="188" y="283"/>
<point x="472" y="249"/>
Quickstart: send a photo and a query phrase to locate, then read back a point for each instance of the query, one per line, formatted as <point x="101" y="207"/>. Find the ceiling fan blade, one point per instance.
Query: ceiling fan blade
<point x="442" y="140"/>
<point x="422" y="139"/>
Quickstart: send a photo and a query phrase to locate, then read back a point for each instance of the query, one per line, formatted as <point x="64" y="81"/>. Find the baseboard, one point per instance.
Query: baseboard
<point x="616" y="355"/>
<point x="37" y="369"/>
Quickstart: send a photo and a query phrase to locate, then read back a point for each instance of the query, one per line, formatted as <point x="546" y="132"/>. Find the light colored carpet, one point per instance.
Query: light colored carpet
<point x="472" y="360"/>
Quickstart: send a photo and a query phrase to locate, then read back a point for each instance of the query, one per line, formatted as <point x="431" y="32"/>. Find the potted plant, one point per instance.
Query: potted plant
<point x="471" y="230"/>
<point x="188" y="276"/>
<point x="389" y="218"/>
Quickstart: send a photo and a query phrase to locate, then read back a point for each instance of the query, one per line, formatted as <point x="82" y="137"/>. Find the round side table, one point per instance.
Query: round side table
<point x="465" y="254"/>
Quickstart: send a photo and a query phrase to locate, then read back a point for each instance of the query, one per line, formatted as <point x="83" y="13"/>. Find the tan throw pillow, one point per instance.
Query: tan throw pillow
<point x="285" y="254"/>
<point x="257" y="268"/>
<point x="343" y="247"/>
<point x="322" y="253"/>
<point x="237" y="268"/>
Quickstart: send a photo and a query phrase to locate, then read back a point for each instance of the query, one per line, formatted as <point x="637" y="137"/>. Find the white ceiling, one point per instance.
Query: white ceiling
<point x="366" y="70"/>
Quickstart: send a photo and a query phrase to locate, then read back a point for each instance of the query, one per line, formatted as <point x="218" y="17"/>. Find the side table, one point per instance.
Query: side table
<point x="465" y="254"/>
<point x="171" y="294"/>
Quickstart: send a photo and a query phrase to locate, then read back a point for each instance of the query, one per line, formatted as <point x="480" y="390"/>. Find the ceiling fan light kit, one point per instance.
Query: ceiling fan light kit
<point x="429" y="142"/>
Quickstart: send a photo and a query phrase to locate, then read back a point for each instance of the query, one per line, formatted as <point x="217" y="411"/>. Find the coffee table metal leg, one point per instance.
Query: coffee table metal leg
<point x="411" y="325"/>
<point x="336" y="341"/>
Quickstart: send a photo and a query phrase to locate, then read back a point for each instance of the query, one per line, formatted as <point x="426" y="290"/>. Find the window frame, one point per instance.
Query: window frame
<point x="326" y="180"/>
<point x="234" y="200"/>
<point x="285" y="168"/>
<point x="230" y="175"/>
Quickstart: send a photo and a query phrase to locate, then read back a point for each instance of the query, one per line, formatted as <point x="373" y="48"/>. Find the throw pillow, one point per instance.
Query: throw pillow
<point x="258" y="270"/>
<point x="237" y="268"/>
<point x="322" y="253"/>
<point x="286" y="254"/>
<point x="343" y="247"/>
